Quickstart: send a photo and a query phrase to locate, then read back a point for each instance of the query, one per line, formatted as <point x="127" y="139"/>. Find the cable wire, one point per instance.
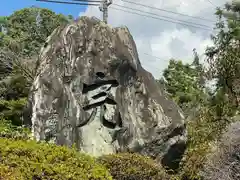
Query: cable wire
<point x="64" y="2"/>
<point x="154" y="56"/>
<point x="211" y="3"/>
<point x="164" y="10"/>
<point x="166" y="20"/>
<point x="162" y="16"/>
<point x="91" y="1"/>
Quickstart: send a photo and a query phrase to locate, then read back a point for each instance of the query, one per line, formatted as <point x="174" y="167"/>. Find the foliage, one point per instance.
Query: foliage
<point x="3" y="22"/>
<point x="17" y="75"/>
<point x="183" y="83"/>
<point x="12" y="110"/>
<point x="14" y="87"/>
<point x="203" y="130"/>
<point x="221" y="105"/>
<point x="133" y="166"/>
<point x="7" y="130"/>
<point x="28" y="28"/>
<point x="224" y="56"/>
<point x="224" y="161"/>
<point x="218" y="108"/>
<point x="5" y="63"/>
<point x="30" y="160"/>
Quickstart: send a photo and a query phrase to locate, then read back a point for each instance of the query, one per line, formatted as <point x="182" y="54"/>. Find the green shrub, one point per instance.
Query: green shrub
<point x="224" y="161"/>
<point x="12" y="110"/>
<point x="127" y="166"/>
<point x="203" y="131"/>
<point x="8" y="130"/>
<point x="22" y="160"/>
<point x="16" y="85"/>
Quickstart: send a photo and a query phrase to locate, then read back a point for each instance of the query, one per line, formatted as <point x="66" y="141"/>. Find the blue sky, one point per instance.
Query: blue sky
<point x="9" y="6"/>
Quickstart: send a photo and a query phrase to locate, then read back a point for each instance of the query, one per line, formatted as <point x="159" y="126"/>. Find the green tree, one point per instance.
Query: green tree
<point x="3" y="23"/>
<point x="26" y="32"/>
<point x="224" y="55"/>
<point x="214" y="117"/>
<point x="184" y="83"/>
<point x="28" y="28"/>
<point x="3" y="20"/>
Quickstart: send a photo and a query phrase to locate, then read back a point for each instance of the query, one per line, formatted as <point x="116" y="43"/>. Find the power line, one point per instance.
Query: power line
<point x="162" y="16"/>
<point x="154" y="56"/>
<point x="103" y="5"/>
<point x="175" y="22"/>
<point x="87" y="1"/>
<point x="66" y="2"/>
<point x="164" y="10"/>
<point x="211" y="3"/>
<point x="200" y="56"/>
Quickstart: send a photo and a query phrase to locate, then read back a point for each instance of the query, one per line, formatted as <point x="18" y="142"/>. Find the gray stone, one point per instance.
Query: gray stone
<point x="90" y="89"/>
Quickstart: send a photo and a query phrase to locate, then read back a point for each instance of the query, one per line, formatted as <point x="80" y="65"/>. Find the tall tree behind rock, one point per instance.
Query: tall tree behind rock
<point x="26" y="32"/>
<point x="27" y="29"/>
<point x="184" y="83"/>
<point x="224" y="56"/>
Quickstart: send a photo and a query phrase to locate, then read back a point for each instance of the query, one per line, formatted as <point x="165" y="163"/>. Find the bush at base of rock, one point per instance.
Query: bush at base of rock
<point x="127" y="166"/>
<point x="21" y="160"/>
<point x="7" y="130"/>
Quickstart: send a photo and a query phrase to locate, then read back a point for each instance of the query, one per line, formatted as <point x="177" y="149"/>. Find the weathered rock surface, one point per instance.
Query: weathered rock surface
<point x="91" y="90"/>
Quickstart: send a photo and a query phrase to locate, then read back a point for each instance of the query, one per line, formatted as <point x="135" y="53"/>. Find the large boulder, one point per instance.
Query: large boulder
<point x="91" y="90"/>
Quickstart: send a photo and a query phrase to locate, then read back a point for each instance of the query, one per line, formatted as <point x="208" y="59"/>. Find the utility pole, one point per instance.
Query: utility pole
<point x="103" y="4"/>
<point x="104" y="8"/>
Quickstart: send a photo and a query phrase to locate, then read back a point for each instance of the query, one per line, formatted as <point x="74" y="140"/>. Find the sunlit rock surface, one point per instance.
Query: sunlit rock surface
<point x="91" y="90"/>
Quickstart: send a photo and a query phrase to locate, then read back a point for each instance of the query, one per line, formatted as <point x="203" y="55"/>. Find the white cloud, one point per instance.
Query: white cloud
<point x="160" y="38"/>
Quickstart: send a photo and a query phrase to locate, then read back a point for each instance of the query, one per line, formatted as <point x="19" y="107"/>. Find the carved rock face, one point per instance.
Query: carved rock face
<point x="91" y="90"/>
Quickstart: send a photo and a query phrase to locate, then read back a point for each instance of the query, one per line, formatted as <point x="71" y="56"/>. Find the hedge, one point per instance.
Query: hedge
<point x="129" y="166"/>
<point x="23" y="160"/>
